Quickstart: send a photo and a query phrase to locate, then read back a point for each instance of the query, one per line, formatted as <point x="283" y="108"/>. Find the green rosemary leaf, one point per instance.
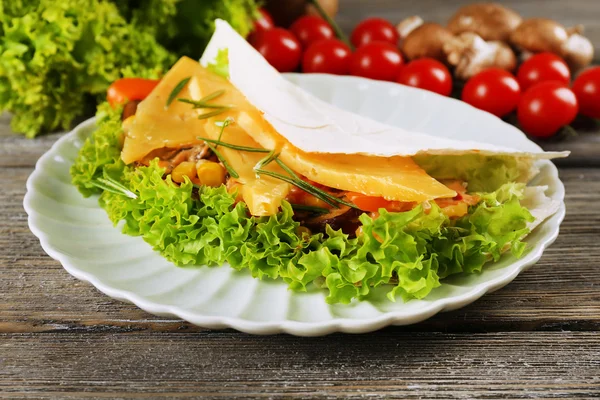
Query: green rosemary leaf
<point x="212" y="96"/>
<point x="228" y="167"/>
<point x="233" y="146"/>
<point x="225" y="123"/>
<point x="111" y="185"/>
<point x="312" y="209"/>
<point x="331" y="197"/>
<point x="178" y="88"/>
<point x="202" y="104"/>
<point x="300" y="184"/>
<point x="266" y="160"/>
<point x="212" y="113"/>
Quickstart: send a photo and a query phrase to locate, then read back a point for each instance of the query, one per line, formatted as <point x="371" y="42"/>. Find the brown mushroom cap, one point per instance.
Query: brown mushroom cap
<point x="491" y="21"/>
<point x="539" y="34"/>
<point x="426" y="41"/>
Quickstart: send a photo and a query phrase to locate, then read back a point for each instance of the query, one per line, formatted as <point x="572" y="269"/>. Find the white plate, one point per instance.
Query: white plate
<point x="77" y="232"/>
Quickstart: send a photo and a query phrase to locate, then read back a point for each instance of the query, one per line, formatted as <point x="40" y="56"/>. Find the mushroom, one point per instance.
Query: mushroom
<point x="470" y="54"/>
<point x="538" y="35"/>
<point x="579" y="49"/>
<point x="423" y="39"/>
<point x="491" y="21"/>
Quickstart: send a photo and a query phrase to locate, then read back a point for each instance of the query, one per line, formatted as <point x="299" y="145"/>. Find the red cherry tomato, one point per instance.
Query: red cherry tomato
<point x="376" y="60"/>
<point x="543" y="67"/>
<point x="374" y="29"/>
<point x="281" y="49"/>
<point x="428" y="74"/>
<point x="310" y="29"/>
<point x="546" y="107"/>
<point x="493" y="90"/>
<point x="129" y="89"/>
<point x="264" y="22"/>
<point x="587" y="89"/>
<point x="329" y="56"/>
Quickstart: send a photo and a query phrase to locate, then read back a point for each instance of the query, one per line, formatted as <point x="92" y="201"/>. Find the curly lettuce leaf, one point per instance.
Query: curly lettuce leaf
<point x="56" y="57"/>
<point x="100" y="152"/>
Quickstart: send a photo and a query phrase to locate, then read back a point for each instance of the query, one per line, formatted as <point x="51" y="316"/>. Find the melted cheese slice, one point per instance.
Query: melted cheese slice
<point x="394" y="178"/>
<point x="156" y="127"/>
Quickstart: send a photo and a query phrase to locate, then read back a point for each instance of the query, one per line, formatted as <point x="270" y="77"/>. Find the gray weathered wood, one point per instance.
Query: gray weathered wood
<point x="231" y="365"/>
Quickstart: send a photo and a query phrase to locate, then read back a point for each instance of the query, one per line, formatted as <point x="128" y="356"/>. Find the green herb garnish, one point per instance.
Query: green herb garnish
<point x="234" y="146"/>
<point x="178" y="88"/>
<point x="266" y="160"/>
<point x="312" y="209"/>
<point x="203" y="104"/>
<point x="110" y="185"/>
<point x="228" y="167"/>
<point x="212" y="113"/>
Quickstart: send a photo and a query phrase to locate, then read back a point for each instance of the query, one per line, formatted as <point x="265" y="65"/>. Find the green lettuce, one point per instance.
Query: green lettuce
<point x="57" y="57"/>
<point x="484" y="173"/>
<point x="408" y="252"/>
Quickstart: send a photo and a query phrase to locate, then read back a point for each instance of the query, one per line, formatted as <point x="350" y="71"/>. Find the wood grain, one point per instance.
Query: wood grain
<point x="231" y="365"/>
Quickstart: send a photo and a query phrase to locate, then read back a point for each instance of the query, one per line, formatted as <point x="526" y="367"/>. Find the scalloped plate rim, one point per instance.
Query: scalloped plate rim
<point x="347" y="325"/>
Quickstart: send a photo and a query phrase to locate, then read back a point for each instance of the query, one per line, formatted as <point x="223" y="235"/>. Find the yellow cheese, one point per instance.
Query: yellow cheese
<point x="156" y="127"/>
<point x="394" y="178"/>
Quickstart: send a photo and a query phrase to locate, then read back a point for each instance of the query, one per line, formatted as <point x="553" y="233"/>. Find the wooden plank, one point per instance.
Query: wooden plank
<point x="386" y="364"/>
<point x="561" y="292"/>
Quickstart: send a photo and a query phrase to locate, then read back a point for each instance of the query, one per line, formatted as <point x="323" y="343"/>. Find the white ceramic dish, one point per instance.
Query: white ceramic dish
<point x="77" y="232"/>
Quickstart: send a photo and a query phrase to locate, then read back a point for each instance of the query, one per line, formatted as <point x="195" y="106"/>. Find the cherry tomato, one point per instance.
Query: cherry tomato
<point x="493" y="90"/>
<point x="329" y="56"/>
<point x="374" y="203"/>
<point x="543" y="67"/>
<point x="546" y="107"/>
<point x="264" y="23"/>
<point x="376" y="60"/>
<point x="374" y="29"/>
<point x="428" y="74"/>
<point x="587" y="90"/>
<point x="281" y="49"/>
<point x="129" y="89"/>
<point x="310" y="29"/>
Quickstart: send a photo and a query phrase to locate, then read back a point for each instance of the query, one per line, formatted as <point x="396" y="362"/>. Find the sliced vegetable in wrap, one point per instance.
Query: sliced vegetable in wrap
<point x="227" y="162"/>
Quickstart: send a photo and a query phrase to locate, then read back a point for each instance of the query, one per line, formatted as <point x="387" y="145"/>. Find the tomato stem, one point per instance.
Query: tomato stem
<point x="338" y="31"/>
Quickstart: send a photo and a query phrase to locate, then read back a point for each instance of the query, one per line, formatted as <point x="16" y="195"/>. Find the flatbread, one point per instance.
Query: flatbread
<point x="316" y="126"/>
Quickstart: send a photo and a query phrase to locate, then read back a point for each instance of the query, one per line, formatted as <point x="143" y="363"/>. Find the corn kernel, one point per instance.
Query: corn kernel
<point x="184" y="169"/>
<point x="210" y="173"/>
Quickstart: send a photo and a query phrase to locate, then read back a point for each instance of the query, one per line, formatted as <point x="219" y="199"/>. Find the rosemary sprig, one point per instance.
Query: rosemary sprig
<point x="266" y="160"/>
<point x="202" y="104"/>
<point x="110" y="185"/>
<point x="178" y="88"/>
<point x="212" y="96"/>
<point x="307" y="187"/>
<point x="312" y="209"/>
<point x="212" y="113"/>
<point x="234" y="146"/>
<point x="299" y="184"/>
<point x="228" y="167"/>
<point x="224" y="124"/>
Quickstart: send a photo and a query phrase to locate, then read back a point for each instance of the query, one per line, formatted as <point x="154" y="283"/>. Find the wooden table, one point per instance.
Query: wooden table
<point x="537" y="337"/>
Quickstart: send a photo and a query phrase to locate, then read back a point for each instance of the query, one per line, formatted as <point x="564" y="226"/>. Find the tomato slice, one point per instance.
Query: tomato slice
<point x="126" y="89"/>
<point x="374" y="203"/>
